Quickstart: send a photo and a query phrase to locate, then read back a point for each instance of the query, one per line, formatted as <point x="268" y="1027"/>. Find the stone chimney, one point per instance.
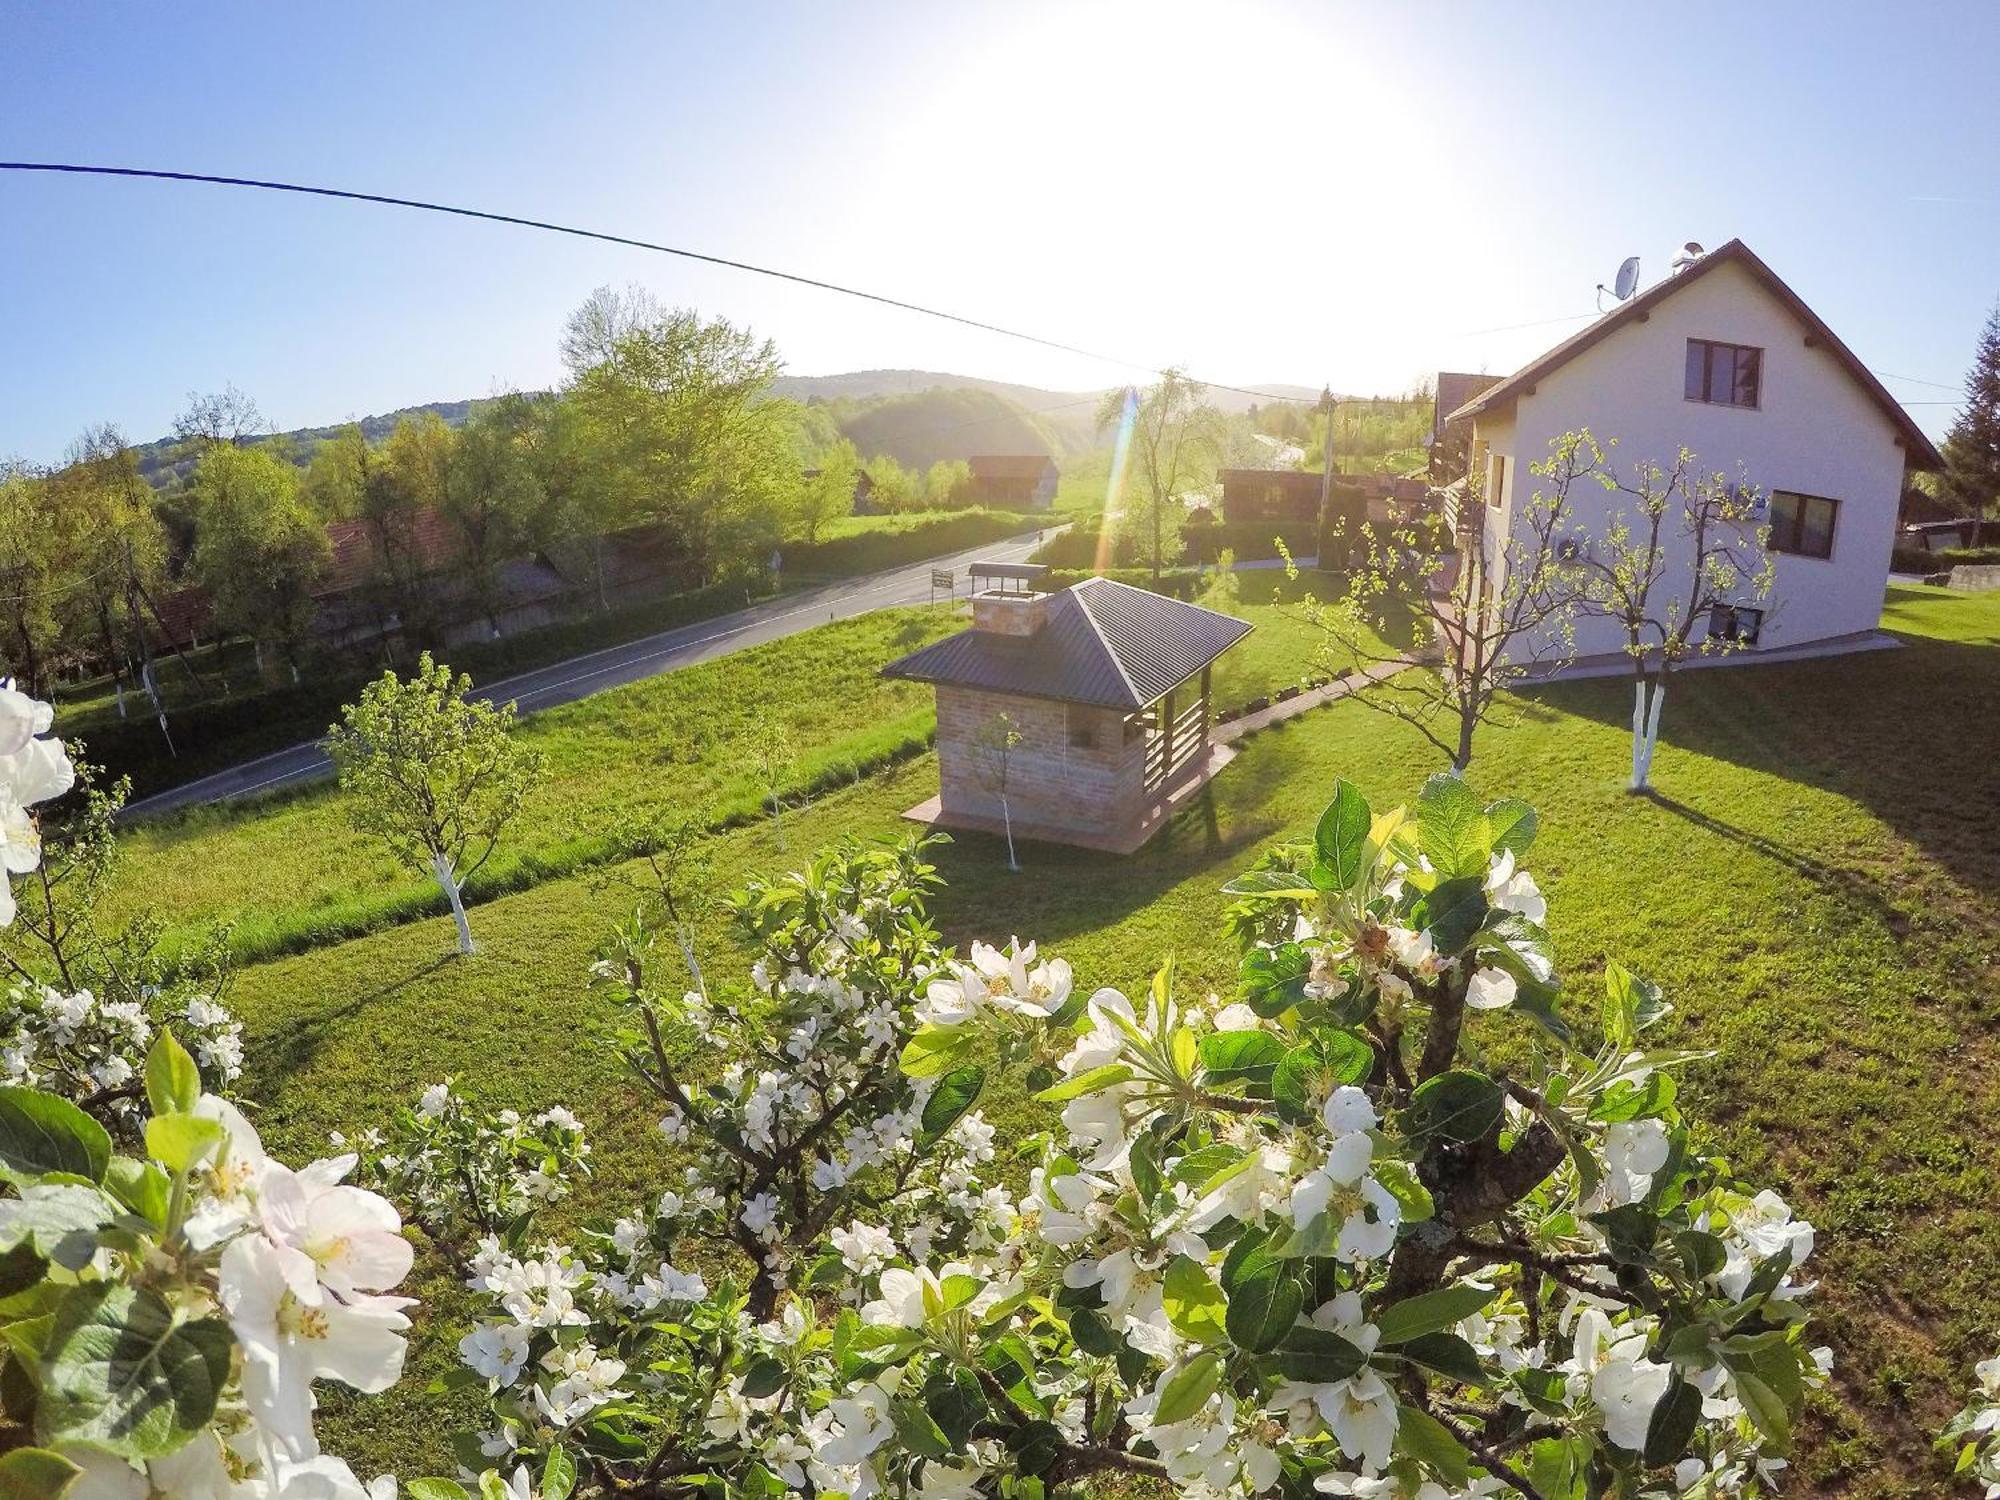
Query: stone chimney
<point x="1010" y="612"/>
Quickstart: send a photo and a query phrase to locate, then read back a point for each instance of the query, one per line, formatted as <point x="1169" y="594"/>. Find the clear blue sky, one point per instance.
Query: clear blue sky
<point x="1264" y="192"/>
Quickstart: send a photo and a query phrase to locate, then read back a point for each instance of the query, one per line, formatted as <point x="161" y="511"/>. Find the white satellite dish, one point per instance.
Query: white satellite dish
<point x="1623" y="284"/>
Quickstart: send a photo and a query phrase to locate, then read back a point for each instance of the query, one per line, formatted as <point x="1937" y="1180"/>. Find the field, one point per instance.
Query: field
<point x="1817" y="886"/>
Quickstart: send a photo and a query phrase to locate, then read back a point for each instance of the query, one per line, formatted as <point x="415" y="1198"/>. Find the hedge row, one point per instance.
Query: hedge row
<point x="893" y="546"/>
<point x="214" y="735"/>
<point x="1175" y="585"/>
<point x="1923" y="560"/>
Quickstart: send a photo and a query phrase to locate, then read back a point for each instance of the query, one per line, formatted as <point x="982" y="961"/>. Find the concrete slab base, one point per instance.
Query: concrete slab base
<point x="1183" y="789"/>
<point x="1620" y="665"/>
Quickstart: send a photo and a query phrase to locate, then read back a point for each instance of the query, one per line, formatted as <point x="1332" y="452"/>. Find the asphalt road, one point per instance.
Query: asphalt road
<point x="593" y="672"/>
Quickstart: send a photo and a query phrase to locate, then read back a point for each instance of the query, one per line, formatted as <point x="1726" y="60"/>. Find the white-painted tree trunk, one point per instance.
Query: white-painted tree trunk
<point x="447" y="880"/>
<point x="1645" y="730"/>
<point x="1007" y="821"/>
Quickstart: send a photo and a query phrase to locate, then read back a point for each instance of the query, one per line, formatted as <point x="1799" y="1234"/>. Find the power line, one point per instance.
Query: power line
<point x="520" y="221"/>
<point x="1919" y="380"/>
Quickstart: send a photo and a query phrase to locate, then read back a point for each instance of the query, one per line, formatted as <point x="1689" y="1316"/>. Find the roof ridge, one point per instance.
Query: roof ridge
<point x="1097" y="632"/>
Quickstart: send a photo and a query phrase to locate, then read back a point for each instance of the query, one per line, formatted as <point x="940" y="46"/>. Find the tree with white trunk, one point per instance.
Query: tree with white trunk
<point x="1680" y="551"/>
<point x="435" y="772"/>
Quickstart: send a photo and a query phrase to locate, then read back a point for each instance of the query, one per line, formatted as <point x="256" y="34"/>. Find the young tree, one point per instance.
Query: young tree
<point x="993" y="747"/>
<point x="1673" y="546"/>
<point x="1174" y="439"/>
<point x="35" y="572"/>
<point x="259" y="550"/>
<point x="894" y="488"/>
<point x="1972" y="447"/>
<point x="829" y="494"/>
<point x="435" y="772"/>
<point x="224" y="416"/>
<point x="1482" y="607"/>
<point x="945" y="482"/>
<point x="118" y="555"/>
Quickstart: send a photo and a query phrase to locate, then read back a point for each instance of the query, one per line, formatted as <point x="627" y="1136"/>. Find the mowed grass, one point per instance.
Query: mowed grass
<point x="1817" y="887"/>
<point x="1284" y="650"/>
<point x="708" y="742"/>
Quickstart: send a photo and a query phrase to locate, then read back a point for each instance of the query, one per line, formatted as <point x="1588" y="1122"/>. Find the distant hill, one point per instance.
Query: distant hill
<point x="919" y="430"/>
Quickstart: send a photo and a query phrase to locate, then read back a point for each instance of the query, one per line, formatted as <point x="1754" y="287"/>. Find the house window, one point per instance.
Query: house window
<point x="1723" y="374"/>
<point x="1802" y="524"/>
<point x="1735" y="622"/>
<point x="1082" y="734"/>
<point x="1497" y="495"/>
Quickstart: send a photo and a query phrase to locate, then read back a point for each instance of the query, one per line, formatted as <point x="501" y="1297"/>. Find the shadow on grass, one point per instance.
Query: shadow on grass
<point x="294" y="1044"/>
<point x="1849" y="885"/>
<point x="1909" y="735"/>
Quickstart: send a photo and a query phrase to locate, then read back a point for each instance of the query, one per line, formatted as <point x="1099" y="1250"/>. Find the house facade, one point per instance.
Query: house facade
<point x="1079" y="716"/>
<point x="1012" y="481"/>
<point x="1727" y="361"/>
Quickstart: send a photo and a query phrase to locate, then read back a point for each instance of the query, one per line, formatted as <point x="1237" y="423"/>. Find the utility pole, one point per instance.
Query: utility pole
<point x="1325" y="408"/>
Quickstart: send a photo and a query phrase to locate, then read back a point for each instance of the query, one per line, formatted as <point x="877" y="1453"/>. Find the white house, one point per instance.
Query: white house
<point x="1724" y="359"/>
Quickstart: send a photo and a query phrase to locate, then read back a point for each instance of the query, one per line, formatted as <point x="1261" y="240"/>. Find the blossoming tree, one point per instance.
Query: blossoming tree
<point x="1314" y="1239"/>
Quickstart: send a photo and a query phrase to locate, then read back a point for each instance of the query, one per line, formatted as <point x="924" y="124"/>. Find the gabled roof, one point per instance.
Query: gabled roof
<point x="1454" y="390"/>
<point x="1922" y="453"/>
<point x="1010" y="465"/>
<point x="355" y="548"/>
<point x="1102" y="643"/>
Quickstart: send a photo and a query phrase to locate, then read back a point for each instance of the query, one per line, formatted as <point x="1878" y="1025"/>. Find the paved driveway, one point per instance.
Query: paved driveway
<point x="593" y="672"/>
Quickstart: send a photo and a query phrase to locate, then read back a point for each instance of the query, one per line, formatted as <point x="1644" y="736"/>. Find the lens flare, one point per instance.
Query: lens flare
<point x="1114" y="489"/>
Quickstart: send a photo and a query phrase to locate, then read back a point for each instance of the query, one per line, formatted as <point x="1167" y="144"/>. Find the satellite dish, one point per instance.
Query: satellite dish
<point x="1625" y="283"/>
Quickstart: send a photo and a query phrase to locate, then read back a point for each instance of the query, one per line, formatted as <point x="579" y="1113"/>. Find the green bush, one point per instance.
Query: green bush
<point x="904" y="540"/>
<point x="1077" y="547"/>
<point x="1923" y="560"/>
<point x="1251" y="541"/>
<point x="1175" y="585"/>
<point x="1340" y="523"/>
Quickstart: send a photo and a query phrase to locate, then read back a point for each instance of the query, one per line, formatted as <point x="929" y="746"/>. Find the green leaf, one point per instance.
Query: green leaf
<point x="1427" y="1440"/>
<point x="933" y="1050"/>
<point x="1092" y="1334"/>
<point x="1273" y="980"/>
<point x="40" y="1134"/>
<point x="122" y="1372"/>
<point x="141" y="1187"/>
<point x="1086" y="1083"/>
<point x="1452" y="829"/>
<point x="955" y="1093"/>
<point x="1630" y="1005"/>
<point x="1295" y="1083"/>
<point x="558" y="1474"/>
<point x="1187" y="1388"/>
<point x="1241" y="1056"/>
<point x="1513" y="824"/>
<point x="957" y="1404"/>
<point x="1630" y="1232"/>
<point x="1272" y="883"/>
<point x="1264" y="1299"/>
<point x="1626" y="1100"/>
<point x="173" y="1082"/>
<point x="1317" y="1356"/>
<point x="1448" y="1354"/>
<point x="765" y="1377"/>
<point x="1430" y="1311"/>
<point x="59" y="1222"/>
<point x="1194" y="1303"/>
<point x="1673" y="1424"/>
<point x="1454" y="912"/>
<point x="918" y="1432"/>
<point x="436" y="1489"/>
<point x="1036" y="1446"/>
<point x="1341" y="838"/>
<point x="1400" y="1179"/>
<point x="1461" y="1105"/>
<point x="180" y="1143"/>
<point x="1765" y="1408"/>
<point x="1702" y="1253"/>
<point x="35" y="1474"/>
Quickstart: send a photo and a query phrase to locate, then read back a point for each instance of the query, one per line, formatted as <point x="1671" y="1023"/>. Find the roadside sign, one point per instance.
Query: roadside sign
<point x="941" y="578"/>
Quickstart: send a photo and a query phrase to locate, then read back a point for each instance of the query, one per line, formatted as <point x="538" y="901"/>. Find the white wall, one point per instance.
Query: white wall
<point x="1815" y="431"/>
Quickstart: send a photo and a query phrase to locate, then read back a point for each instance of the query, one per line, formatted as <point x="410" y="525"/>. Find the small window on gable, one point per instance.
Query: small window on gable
<point x="1082" y="732"/>
<point x="1735" y="622"/>
<point x="1724" y="374"/>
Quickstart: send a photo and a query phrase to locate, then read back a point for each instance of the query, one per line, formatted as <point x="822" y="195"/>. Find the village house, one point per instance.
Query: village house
<point x="1087" y="709"/>
<point x="1724" y="359"/>
<point x="1011" y="481"/>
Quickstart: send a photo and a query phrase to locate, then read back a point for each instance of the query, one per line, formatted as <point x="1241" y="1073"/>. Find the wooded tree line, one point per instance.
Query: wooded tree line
<point x="664" y="419"/>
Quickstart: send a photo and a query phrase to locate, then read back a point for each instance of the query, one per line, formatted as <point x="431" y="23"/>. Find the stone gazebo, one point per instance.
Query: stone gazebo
<point x="1106" y="687"/>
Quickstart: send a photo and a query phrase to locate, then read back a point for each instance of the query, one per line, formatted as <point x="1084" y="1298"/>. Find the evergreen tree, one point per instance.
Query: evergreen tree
<point x="1972" y="447"/>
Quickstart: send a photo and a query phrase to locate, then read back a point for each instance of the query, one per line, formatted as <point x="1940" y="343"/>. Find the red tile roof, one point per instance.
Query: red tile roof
<point x="356" y="548"/>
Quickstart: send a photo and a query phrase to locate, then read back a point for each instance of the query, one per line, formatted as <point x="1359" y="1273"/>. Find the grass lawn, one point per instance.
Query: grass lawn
<point x="706" y="742"/>
<point x="1283" y="651"/>
<point x="1817" y="886"/>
